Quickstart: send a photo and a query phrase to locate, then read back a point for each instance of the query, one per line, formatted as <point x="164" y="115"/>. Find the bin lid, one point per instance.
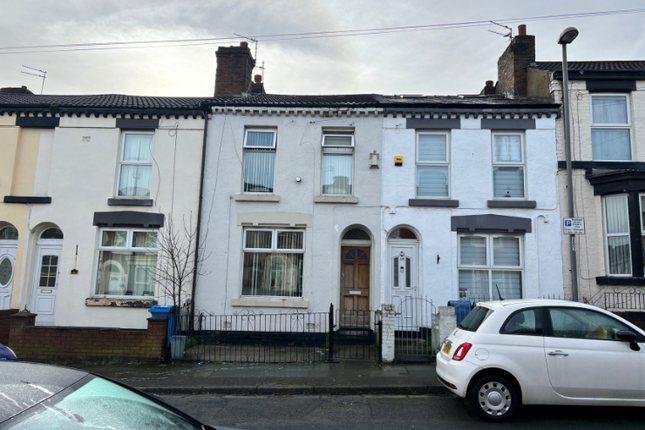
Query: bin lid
<point x="159" y="309"/>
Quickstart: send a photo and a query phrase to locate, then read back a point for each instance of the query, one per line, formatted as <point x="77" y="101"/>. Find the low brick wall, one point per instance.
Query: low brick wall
<point x="43" y="343"/>
<point x="636" y="318"/>
<point x="5" y="323"/>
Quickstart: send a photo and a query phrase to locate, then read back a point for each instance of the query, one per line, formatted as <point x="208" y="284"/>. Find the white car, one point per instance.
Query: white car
<point x="544" y="352"/>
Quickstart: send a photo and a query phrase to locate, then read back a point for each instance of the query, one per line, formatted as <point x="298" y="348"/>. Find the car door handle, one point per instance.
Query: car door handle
<point x="558" y="353"/>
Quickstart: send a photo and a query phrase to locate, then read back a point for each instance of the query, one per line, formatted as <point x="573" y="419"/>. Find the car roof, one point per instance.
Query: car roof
<point x="23" y="384"/>
<point x="500" y="304"/>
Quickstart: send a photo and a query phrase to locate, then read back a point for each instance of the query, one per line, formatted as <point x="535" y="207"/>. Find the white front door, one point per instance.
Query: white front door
<point x="8" y="250"/>
<point x="45" y="286"/>
<point x="403" y="283"/>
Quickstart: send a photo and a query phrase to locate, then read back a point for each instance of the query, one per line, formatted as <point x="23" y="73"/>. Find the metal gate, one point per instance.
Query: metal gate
<point x="413" y="331"/>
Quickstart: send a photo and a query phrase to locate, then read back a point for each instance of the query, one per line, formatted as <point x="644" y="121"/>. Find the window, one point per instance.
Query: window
<point x="475" y="318"/>
<point x="490" y="266"/>
<point x="259" y="160"/>
<point x="508" y="166"/>
<point x="433" y="165"/>
<point x="8" y="233"/>
<point x="273" y="262"/>
<point x="337" y="163"/>
<point x="610" y="127"/>
<point x="584" y="324"/>
<point x="127" y="262"/>
<point x="527" y="322"/>
<point x="617" y="236"/>
<point x="136" y="165"/>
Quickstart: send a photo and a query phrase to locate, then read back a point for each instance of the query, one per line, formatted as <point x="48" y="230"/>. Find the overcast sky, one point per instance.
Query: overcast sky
<point x="431" y="62"/>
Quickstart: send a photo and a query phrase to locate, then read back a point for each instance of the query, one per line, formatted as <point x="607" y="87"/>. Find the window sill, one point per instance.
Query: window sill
<point x="270" y="303"/>
<point x="352" y="200"/>
<point x="120" y="303"/>
<point x="615" y="280"/>
<point x="517" y="204"/>
<point x="440" y="203"/>
<point x="129" y="202"/>
<point x="28" y="199"/>
<point x="270" y="198"/>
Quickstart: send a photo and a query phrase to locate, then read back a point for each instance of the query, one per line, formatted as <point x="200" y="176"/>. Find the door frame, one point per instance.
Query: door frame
<point x="43" y="244"/>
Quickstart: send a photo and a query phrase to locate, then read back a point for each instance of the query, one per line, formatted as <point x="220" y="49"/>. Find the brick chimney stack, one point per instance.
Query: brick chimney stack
<point x="511" y="66"/>
<point x="234" y="70"/>
<point x="489" y="88"/>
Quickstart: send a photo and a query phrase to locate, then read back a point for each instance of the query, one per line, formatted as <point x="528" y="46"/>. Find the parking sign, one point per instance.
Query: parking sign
<point x="574" y="226"/>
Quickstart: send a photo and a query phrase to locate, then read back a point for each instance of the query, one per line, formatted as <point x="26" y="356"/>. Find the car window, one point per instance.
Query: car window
<point x="475" y="318"/>
<point x="526" y="322"/>
<point x="584" y="324"/>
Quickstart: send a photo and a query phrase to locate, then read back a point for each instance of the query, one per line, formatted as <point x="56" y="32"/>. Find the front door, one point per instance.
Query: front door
<point x="45" y="286"/>
<point x="403" y="283"/>
<point x="7" y="270"/>
<point x="355" y="287"/>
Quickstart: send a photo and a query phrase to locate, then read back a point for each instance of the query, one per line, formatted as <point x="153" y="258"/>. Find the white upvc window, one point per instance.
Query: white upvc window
<point x="127" y="262"/>
<point x="617" y="240"/>
<point x="135" y="167"/>
<point x="259" y="160"/>
<point x="508" y="166"/>
<point x="433" y="165"/>
<point x="490" y="266"/>
<point x="337" y="163"/>
<point x="610" y="127"/>
<point x="273" y="260"/>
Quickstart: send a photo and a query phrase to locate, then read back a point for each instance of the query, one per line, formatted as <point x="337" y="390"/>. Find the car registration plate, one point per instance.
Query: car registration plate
<point x="446" y="348"/>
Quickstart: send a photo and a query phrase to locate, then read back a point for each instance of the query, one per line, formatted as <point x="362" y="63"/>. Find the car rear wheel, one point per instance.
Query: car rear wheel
<point x="494" y="398"/>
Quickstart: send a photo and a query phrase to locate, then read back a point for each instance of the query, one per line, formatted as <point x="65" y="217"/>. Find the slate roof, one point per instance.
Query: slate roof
<point x="346" y="100"/>
<point x="592" y="66"/>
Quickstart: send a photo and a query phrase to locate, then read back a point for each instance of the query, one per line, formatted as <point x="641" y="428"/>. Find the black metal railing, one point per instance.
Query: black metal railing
<point x="356" y="334"/>
<point x="630" y="300"/>
<point x="413" y="330"/>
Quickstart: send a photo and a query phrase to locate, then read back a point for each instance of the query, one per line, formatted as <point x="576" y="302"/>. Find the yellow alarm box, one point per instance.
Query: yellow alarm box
<point x="398" y="160"/>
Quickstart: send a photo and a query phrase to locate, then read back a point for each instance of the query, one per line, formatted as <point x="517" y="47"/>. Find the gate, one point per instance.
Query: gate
<point x="356" y="335"/>
<point x="413" y="331"/>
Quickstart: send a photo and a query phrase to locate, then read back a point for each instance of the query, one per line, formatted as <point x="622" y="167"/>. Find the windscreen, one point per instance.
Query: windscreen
<point x="475" y="318"/>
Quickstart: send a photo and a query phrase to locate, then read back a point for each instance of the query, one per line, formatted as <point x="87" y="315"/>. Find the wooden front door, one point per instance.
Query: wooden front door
<point x="355" y="287"/>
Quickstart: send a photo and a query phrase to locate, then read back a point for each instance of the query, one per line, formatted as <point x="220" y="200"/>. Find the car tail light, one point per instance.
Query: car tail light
<point x="461" y="352"/>
<point x="444" y="341"/>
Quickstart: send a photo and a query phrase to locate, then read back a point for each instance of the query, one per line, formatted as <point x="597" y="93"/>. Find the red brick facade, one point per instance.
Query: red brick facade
<point x="234" y="70"/>
<point x="511" y="66"/>
<point x="41" y="343"/>
<point x="5" y="323"/>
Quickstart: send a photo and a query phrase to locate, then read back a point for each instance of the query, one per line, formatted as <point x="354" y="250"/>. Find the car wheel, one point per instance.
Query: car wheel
<point x="494" y="398"/>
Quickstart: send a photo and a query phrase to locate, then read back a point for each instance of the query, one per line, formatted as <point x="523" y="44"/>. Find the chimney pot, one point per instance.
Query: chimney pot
<point x="522" y="30"/>
<point x="489" y="83"/>
<point x="258" y="79"/>
<point x="244" y="44"/>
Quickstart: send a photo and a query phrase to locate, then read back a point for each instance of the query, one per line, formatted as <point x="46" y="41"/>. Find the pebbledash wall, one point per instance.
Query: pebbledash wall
<point x="78" y="168"/>
<point x="227" y="211"/>
<point x="471" y="184"/>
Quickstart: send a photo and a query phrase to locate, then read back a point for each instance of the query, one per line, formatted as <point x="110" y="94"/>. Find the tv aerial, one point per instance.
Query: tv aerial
<point x="42" y="75"/>
<point x="509" y="34"/>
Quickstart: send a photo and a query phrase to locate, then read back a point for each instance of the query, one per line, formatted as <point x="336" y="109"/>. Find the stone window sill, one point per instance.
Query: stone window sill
<point x="515" y="204"/>
<point x="270" y="302"/>
<point x="269" y="198"/>
<point x="352" y="200"/>
<point x="615" y="280"/>
<point x="129" y="202"/>
<point x="120" y="303"/>
<point x="438" y="203"/>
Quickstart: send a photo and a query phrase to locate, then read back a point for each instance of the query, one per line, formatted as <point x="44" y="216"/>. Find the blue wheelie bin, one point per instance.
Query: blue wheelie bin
<point x="166" y="311"/>
<point x="462" y="309"/>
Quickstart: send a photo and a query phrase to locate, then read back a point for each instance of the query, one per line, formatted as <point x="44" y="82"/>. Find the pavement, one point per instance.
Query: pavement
<point x="349" y="377"/>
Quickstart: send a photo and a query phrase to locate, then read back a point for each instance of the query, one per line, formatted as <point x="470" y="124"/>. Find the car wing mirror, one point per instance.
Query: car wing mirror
<point x="630" y="337"/>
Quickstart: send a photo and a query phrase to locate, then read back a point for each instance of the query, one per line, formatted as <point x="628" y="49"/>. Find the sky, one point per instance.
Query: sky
<point x="423" y="61"/>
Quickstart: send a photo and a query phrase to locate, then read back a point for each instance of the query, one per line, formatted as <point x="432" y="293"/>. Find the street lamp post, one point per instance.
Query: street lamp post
<point x="567" y="36"/>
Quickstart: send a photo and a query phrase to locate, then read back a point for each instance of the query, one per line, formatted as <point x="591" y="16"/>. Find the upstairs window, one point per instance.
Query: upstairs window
<point x="433" y="165"/>
<point x="610" y="128"/>
<point x="136" y="165"/>
<point x="337" y="163"/>
<point x="259" y="160"/>
<point x="508" y="166"/>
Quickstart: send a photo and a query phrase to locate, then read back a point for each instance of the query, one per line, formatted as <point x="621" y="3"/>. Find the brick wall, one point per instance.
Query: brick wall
<point x="5" y="322"/>
<point x="42" y="343"/>
<point x="234" y="70"/>
<point x="388" y="338"/>
<point x="511" y="66"/>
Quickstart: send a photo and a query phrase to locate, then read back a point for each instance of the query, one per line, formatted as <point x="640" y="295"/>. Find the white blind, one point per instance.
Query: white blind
<point x="473" y="251"/>
<point x="259" y="171"/>
<point x="432" y="148"/>
<point x="506" y="251"/>
<point x="508" y="149"/>
<point x="509" y="284"/>
<point x="610" y="144"/>
<point x="508" y="182"/>
<point x="616" y="212"/>
<point x="609" y="109"/>
<point x="258" y="239"/>
<point x="337" y="140"/>
<point x="620" y="262"/>
<point x="432" y="181"/>
<point x="137" y="148"/>
<point x="618" y="249"/>
<point x="474" y="282"/>
<point x="337" y="173"/>
<point x="290" y="240"/>
<point x="259" y="139"/>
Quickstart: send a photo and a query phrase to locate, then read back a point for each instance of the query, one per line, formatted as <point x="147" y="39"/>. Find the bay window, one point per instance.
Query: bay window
<point x="508" y="166"/>
<point x="259" y="160"/>
<point x="610" y="127"/>
<point x="127" y="262"/>
<point x="490" y="266"/>
<point x="273" y="261"/>
<point x="337" y="163"/>
<point x="433" y="165"/>
<point x="135" y="167"/>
